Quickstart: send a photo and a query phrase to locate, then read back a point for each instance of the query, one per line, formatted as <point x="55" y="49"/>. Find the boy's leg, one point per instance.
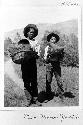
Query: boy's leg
<point x="57" y="74"/>
<point x="34" y="87"/>
<point x="27" y="87"/>
<point x="49" y="75"/>
<point x="27" y="91"/>
<point x="34" y="83"/>
<point x="26" y="80"/>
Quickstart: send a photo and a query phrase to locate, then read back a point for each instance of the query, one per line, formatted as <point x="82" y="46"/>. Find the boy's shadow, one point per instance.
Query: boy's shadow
<point x="42" y="96"/>
<point x="69" y="94"/>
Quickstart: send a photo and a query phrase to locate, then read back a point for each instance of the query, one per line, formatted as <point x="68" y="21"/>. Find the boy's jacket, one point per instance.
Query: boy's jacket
<point x="54" y="55"/>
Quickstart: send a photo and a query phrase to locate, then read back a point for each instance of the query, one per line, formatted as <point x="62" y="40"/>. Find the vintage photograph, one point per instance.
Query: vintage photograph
<point x="41" y="62"/>
<point x="41" y="65"/>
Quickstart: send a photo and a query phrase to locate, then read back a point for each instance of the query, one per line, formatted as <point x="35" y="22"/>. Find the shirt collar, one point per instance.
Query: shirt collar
<point x="31" y="39"/>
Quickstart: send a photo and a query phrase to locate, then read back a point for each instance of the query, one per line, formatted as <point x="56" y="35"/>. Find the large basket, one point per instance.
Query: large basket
<point x="18" y="57"/>
<point x="20" y="52"/>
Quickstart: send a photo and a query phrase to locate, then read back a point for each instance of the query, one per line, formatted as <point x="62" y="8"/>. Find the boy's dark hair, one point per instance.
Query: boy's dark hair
<point x="23" y="41"/>
<point x="54" y="35"/>
<point x="27" y="29"/>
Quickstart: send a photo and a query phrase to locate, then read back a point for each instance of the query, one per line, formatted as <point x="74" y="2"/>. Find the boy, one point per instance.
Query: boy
<point x="52" y="57"/>
<point x="28" y="66"/>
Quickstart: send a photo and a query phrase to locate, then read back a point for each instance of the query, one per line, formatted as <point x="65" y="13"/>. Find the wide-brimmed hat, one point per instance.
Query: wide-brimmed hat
<point x="27" y="28"/>
<point x="54" y="35"/>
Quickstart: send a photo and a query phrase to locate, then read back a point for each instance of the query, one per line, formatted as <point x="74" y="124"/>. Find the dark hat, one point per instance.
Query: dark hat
<point x="54" y="35"/>
<point x="27" y="28"/>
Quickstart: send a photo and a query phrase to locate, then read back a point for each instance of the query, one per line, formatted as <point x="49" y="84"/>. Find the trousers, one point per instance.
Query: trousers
<point x="53" y="68"/>
<point x="29" y="76"/>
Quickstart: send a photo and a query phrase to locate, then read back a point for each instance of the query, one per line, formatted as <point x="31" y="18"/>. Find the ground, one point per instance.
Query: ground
<point x="14" y="93"/>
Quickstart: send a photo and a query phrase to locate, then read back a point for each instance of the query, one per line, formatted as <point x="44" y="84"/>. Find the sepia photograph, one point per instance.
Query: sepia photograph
<point x="41" y="62"/>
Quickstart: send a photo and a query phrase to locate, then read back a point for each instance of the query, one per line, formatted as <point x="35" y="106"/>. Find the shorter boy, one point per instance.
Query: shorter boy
<point x="52" y="57"/>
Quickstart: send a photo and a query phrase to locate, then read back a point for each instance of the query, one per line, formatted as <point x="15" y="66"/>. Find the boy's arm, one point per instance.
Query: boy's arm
<point x="37" y="49"/>
<point x="46" y="52"/>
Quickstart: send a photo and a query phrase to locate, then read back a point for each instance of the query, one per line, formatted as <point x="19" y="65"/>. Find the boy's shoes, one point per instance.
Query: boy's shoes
<point x="35" y="101"/>
<point x="31" y="100"/>
<point x="60" y="95"/>
<point x="49" y="96"/>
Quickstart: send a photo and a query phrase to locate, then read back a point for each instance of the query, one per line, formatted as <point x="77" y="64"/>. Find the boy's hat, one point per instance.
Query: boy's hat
<point x="27" y="28"/>
<point x="54" y="35"/>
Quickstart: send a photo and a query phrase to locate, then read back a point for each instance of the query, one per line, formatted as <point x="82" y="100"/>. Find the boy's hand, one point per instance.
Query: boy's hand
<point x="56" y="47"/>
<point x="53" y="46"/>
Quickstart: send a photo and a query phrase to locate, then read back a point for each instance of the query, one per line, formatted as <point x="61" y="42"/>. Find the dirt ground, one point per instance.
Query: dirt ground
<point x="14" y="92"/>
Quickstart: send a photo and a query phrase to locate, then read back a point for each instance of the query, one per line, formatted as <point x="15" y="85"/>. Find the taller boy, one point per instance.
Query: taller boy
<point x="29" y="67"/>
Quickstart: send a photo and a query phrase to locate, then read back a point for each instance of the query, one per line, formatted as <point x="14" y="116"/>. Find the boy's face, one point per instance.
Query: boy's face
<point x="31" y="33"/>
<point x="53" y="39"/>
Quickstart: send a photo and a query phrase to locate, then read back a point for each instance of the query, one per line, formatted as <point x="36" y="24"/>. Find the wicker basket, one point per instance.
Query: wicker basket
<point x="18" y="57"/>
<point x="20" y="52"/>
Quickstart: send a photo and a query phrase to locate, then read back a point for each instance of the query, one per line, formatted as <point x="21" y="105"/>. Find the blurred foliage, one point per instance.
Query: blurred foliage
<point x="17" y="37"/>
